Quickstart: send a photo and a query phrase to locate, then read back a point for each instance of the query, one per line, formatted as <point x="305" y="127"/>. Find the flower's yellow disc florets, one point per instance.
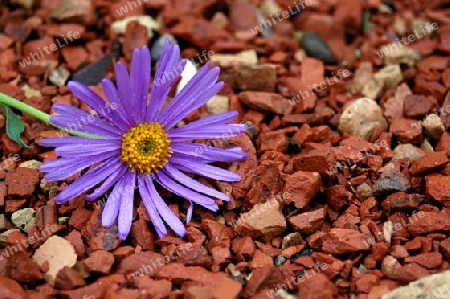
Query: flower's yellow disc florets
<point x="146" y="148"/>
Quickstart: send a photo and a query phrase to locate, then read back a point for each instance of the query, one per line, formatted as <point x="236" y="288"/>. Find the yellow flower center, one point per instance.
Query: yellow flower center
<point x="146" y="148"/>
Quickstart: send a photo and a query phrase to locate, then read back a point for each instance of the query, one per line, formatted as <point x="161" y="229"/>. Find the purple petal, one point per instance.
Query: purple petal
<point x="163" y="209"/>
<point x="193" y="166"/>
<point x="189" y="212"/>
<point x="193" y="184"/>
<point x="179" y="190"/>
<point x="63" y="168"/>
<point x="124" y="88"/>
<point x="207" y="132"/>
<point x="69" y="140"/>
<point x="107" y="184"/>
<point x="68" y="124"/>
<point x="190" y="106"/>
<point x="111" y="208"/>
<point x="140" y="80"/>
<point x="122" y="120"/>
<point x="93" y="100"/>
<point x="82" y="117"/>
<point x="208" y="153"/>
<point x="150" y="207"/>
<point x="54" y="165"/>
<point x="196" y="93"/>
<point x="88" y="180"/>
<point x="126" y="205"/>
<point x="74" y="119"/>
<point x="87" y="149"/>
<point x="169" y="69"/>
<point x="215" y="119"/>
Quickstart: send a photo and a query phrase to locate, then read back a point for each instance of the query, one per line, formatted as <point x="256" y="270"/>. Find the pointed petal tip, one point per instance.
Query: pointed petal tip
<point x="121" y="64"/>
<point x="73" y="86"/>
<point x="161" y="234"/>
<point x="123" y="236"/>
<point x="145" y="49"/>
<point x="183" y="62"/>
<point x="167" y="42"/>
<point x="71" y="83"/>
<point x="182" y="233"/>
<point x="228" y="198"/>
<point x="214" y="208"/>
<point x="220" y="83"/>
<point x="106" y="225"/>
<point x="107" y="220"/>
<point x="124" y="229"/>
<point x="60" y="200"/>
<point x="236" y="178"/>
<point x="48" y="178"/>
<point x="89" y="198"/>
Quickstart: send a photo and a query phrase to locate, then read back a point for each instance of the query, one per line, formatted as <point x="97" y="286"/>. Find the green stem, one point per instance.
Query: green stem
<point x="24" y="108"/>
<point x="42" y="116"/>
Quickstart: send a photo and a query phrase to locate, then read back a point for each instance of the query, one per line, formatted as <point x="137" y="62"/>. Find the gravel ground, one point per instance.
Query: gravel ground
<point x="345" y="191"/>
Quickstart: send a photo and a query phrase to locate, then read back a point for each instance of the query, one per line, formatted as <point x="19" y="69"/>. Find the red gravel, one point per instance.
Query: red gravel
<point x="318" y="212"/>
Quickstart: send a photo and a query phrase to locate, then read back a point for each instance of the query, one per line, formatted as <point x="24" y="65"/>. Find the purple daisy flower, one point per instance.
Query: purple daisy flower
<point x="138" y="143"/>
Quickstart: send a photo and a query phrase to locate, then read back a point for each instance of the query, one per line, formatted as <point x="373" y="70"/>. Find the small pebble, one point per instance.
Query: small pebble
<point x="363" y="268"/>
<point x="33" y="164"/>
<point x="58" y="252"/>
<point x="291" y="239"/>
<point x="362" y="117"/>
<point x="304" y="252"/>
<point x="364" y="190"/>
<point x="387" y="78"/>
<point x="24" y="219"/>
<point x="434" y="126"/>
<point x="316" y="47"/>
<point x="279" y="260"/>
<point x="218" y="104"/>
<point x="59" y="76"/>
<point x="120" y="26"/>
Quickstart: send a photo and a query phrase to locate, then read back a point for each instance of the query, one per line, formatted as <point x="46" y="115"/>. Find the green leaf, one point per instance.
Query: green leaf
<point x="366" y="21"/>
<point x="14" y="126"/>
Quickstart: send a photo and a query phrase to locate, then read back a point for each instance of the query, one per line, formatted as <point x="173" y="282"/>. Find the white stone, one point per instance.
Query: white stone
<point x="187" y="74"/>
<point x="407" y="150"/>
<point x="29" y="92"/>
<point x="433" y="126"/>
<point x="388" y="229"/>
<point x="436" y="286"/>
<point x="361" y="118"/>
<point x="398" y="54"/>
<point x="364" y="190"/>
<point x="387" y="78"/>
<point x="32" y="164"/>
<point x="24" y="3"/>
<point x="426" y="146"/>
<point x="218" y="104"/>
<point x="58" y="252"/>
<point x="120" y="26"/>
<point x="247" y="57"/>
